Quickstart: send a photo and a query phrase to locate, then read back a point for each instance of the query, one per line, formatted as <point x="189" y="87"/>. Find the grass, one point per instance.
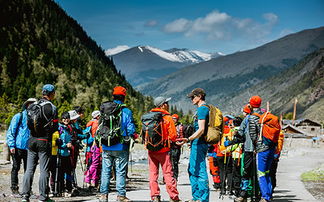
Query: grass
<point x="314" y="175"/>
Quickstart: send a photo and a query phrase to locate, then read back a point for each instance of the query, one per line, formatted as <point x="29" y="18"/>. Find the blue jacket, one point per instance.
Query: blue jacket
<point x="89" y="140"/>
<point x="66" y="137"/>
<point x="127" y="128"/>
<point x="18" y="137"/>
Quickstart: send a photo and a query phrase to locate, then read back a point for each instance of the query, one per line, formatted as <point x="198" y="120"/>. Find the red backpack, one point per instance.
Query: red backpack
<point x="270" y="126"/>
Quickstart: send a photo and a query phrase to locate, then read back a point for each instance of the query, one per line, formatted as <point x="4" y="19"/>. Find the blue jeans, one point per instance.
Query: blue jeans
<point x="198" y="172"/>
<point x="264" y="161"/>
<point x="119" y="159"/>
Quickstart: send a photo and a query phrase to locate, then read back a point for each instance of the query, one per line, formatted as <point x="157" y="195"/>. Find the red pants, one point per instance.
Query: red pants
<point x="155" y="159"/>
<point x="214" y="170"/>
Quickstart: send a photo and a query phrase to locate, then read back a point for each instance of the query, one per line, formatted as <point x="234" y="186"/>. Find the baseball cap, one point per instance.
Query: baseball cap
<point x="48" y="88"/>
<point x="255" y="101"/>
<point x="196" y="91"/>
<point x="160" y="100"/>
<point x="94" y="114"/>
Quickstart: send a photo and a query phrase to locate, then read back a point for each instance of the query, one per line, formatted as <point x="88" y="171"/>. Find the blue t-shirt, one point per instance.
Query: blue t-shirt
<point x="202" y="114"/>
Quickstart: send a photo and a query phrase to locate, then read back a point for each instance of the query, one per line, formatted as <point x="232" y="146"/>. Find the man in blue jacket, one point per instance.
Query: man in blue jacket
<point x="17" y="137"/>
<point x="117" y="154"/>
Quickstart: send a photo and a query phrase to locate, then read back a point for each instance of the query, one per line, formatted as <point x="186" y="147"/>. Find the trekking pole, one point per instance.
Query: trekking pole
<point x="56" y="183"/>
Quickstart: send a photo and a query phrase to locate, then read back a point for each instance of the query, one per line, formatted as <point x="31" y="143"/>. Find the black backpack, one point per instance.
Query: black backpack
<point x="37" y="121"/>
<point x="109" y="129"/>
<point x="152" y="131"/>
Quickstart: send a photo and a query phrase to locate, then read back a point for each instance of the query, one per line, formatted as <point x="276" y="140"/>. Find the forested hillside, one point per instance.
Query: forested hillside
<point x="41" y="44"/>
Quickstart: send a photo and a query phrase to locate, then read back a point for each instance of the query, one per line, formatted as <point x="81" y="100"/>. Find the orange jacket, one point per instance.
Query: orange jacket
<point x="280" y="142"/>
<point x="94" y="123"/>
<point x="169" y="131"/>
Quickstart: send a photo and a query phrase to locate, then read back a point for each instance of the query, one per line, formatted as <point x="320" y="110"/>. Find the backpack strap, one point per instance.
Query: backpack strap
<point x="19" y="123"/>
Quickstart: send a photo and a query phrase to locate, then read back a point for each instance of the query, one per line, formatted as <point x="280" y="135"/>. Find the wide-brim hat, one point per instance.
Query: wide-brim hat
<point x="73" y="115"/>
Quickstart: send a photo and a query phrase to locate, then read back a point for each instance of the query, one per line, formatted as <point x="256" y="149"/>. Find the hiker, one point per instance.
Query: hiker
<point x="17" y="137"/>
<point x="80" y="121"/>
<point x="65" y="172"/>
<point x="41" y="126"/>
<point x="77" y="137"/>
<point x="276" y="156"/>
<point x="248" y="159"/>
<point x="157" y="141"/>
<point x="197" y="165"/>
<point x="176" y="149"/>
<point x="53" y="167"/>
<point x="118" y="119"/>
<point x="92" y="152"/>
<point x="225" y="160"/>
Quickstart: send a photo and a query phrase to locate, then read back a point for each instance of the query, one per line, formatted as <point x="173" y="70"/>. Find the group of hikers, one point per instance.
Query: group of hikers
<point x="243" y="154"/>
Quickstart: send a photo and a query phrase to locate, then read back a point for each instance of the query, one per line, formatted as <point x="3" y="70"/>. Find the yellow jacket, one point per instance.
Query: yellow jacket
<point x="55" y="136"/>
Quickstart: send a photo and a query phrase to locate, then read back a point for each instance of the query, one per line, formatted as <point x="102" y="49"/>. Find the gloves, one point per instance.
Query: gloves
<point x="276" y="156"/>
<point x="227" y="143"/>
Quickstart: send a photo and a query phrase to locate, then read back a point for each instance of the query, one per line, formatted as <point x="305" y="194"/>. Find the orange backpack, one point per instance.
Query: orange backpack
<point x="270" y="126"/>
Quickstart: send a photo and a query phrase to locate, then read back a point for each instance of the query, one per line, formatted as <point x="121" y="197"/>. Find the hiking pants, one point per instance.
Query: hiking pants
<point x="163" y="158"/>
<point x="92" y="175"/>
<point x="264" y="160"/>
<point x="236" y="176"/>
<point x="52" y="169"/>
<point x="65" y="174"/>
<point x="39" y="149"/>
<point x="226" y="173"/>
<point x="17" y="157"/>
<point x="273" y="173"/>
<point x="247" y="173"/>
<point x="175" y="157"/>
<point x="198" y="172"/>
<point x="214" y="169"/>
<point x="119" y="159"/>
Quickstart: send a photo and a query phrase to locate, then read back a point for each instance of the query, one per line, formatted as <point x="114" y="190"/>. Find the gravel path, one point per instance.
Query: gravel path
<point x="299" y="158"/>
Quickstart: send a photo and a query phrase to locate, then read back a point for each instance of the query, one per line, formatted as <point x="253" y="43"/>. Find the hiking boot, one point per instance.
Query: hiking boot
<point x="175" y="200"/>
<point x="15" y="190"/>
<point x="156" y="199"/>
<point x="240" y="199"/>
<point x="263" y="200"/>
<point x="103" y="198"/>
<point x="122" y="199"/>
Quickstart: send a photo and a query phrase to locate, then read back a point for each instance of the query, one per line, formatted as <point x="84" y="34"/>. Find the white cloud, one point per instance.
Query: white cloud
<point x="271" y="17"/>
<point x="219" y="25"/>
<point x="151" y="23"/>
<point x="180" y="25"/>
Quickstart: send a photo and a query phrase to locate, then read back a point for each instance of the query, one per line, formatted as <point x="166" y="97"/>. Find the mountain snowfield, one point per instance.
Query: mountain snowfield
<point x="143" y="64"/>
<point x="173" y="55"/>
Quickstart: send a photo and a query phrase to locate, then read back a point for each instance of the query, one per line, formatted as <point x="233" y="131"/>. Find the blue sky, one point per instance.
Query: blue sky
<point x="226" y="26"/>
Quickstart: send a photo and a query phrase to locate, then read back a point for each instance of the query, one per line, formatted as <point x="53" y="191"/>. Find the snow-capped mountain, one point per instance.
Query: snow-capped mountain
<point x="142" y="64"/>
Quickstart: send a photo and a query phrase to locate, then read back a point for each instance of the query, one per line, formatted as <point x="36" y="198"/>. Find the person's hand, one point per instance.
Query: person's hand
<point x="227" y="143"/>
<point x="13" y="150"/>
<point x="69" y="145"/>
<point x="181" y="141"/>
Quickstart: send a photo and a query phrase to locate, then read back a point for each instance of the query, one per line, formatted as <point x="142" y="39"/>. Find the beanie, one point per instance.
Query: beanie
<point x="119" y="90"/>
<point x="255" y="101"/>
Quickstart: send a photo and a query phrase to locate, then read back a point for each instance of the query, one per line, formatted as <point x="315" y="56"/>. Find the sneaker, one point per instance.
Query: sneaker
<point x="156" y="199"/>
<point x="263" y="200"/>
<point x="239" y="199"/>
<point x="67" y="194"/>
<point x="15" y="191"/>
<point x="25" y="200"/>
<point x="122" y="199"/>
<point x="103" y="198"/>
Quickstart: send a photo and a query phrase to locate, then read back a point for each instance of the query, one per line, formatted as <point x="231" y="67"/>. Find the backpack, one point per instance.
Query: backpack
<point x="215" y="125"/>
<point x="37" y="121"/>
<point x="270" y="126"/>
<point x="152" y="131"/>
<point x="109" y="129"/>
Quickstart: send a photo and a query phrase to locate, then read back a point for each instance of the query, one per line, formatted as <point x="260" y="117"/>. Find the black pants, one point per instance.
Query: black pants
<point x="273" y="172"/>
<point x="65" y="174"/>
<point x="226" y="173"/>
<point x="52" y="168"/>
<point x="175" y="157"/>
<point x="236" y="176"/>
<point x="17" y="157"/>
